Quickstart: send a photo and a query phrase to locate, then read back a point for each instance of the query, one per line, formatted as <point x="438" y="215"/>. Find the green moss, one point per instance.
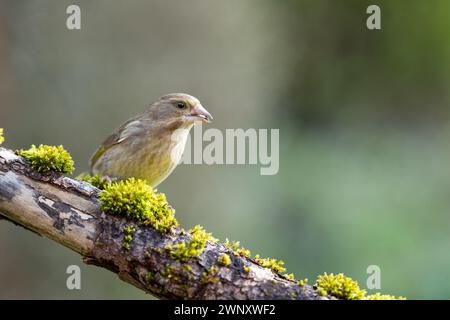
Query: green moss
<point x="302" y="282"/>
<point x="379" y="296"/>
<point x="208" y="277"/>
<point x="136" y="200"/>
<point x="131" y="198"/>
<point x="232" y="245"/>
<point x="149" y="276"/>
<point x="129" y="229"/>
<point x="128" y="236"/>
<point x="199" y="234"/>
<point x="1" y="136"/>
<point x="48" y="158"/>
<point x="187" y="268"/>
<point x="275" y="265"/>
<point x="169" y="273"/>
<point x="224" y="260"/>
<point x="213" y="270"/>
<point x="289" y="276"/>
<point x="339" y="286"/>
<point x="343" y="287"/>
<point x="235" y="246"/>
<point x="243" y="252"/>
<point x="183" y="251"/>
<point x="162" y="216"/>
<point x="97" y="180"/>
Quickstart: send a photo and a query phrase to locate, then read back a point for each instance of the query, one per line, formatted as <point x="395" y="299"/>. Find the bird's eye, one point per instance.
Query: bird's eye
<point x="181" y="105"/>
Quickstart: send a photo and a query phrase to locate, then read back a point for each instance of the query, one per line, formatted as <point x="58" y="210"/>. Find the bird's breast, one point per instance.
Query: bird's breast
<point x="161" y="156"/>
<point x="178" y="143"/>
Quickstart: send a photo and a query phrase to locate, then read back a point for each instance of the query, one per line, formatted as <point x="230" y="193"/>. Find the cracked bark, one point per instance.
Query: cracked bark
<point x="68" y="211"/>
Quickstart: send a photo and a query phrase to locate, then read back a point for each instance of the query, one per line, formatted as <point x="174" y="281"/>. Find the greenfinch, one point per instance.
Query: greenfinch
<point x="150" y="145"/>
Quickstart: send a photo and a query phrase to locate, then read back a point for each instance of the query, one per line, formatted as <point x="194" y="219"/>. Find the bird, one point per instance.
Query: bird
<point x="149" y="146"/>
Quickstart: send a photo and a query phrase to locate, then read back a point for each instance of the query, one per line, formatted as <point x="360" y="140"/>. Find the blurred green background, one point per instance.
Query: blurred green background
<point x="363" y="116"/>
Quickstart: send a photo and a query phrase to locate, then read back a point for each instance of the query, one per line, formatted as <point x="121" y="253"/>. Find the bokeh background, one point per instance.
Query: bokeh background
<point x="363" y="116"/>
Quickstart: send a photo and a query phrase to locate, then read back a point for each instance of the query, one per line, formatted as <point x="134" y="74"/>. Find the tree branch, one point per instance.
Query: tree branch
<point x="69" y="212"/>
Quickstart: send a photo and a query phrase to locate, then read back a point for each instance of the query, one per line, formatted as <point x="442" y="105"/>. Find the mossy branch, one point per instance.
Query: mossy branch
<point x="69" y="212"/>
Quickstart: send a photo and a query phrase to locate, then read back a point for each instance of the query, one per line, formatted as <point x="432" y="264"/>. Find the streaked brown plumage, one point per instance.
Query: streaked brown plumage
<point x="149" y="146"/>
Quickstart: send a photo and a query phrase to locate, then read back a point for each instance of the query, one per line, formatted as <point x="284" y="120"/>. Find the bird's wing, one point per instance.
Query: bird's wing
<point x="124" y="132"/>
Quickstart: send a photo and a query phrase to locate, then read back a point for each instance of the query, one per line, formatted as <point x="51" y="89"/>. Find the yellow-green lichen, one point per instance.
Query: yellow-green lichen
<point x="135" y="199"/>
<point x="379" y="296"/>
<point x="97" y="180"/>
<point x="1" y="136"/>
<point x="224" y="260"/>
<point x="246" y="269"/>
<point x="235" y="246"/>
<point x="275" y="265"/>
<point x="183" y="251"/>
<point x="339" y="286"/>
<point x="48" y="158"/>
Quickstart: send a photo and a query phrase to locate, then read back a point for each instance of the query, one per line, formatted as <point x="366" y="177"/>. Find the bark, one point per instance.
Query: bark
<point x="69" y="212"/>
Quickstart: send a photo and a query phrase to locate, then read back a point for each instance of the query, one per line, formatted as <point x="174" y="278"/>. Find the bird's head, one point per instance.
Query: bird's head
<point x="180" y="108"/>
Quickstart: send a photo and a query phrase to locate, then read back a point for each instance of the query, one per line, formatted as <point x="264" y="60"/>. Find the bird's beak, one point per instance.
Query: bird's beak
<point x="200" y="114"/>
